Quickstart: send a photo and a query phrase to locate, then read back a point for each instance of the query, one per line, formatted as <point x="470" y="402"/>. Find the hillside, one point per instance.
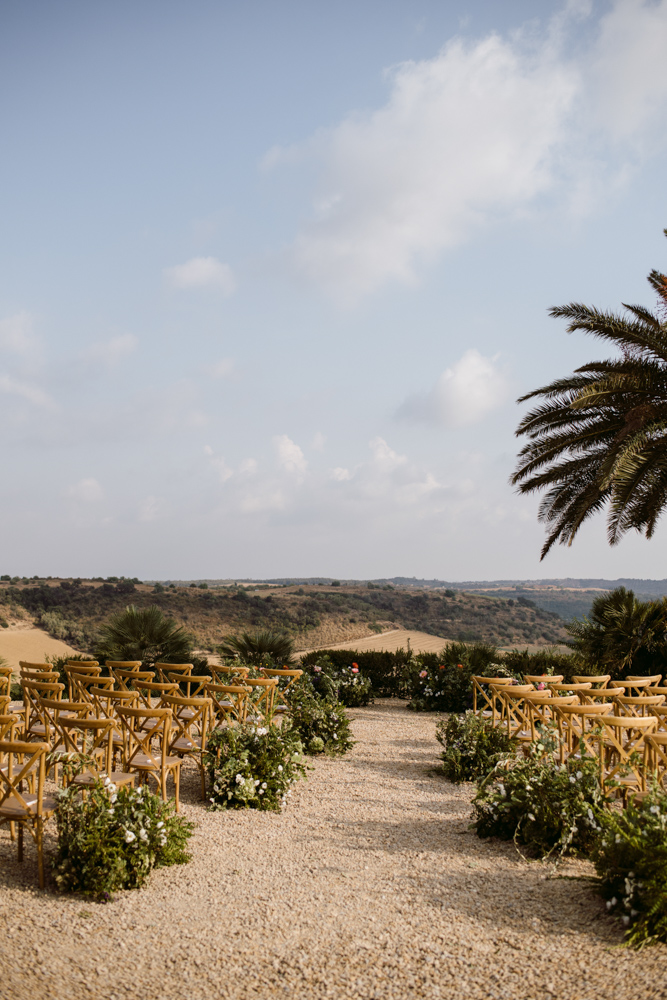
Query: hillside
<point x="316" y="615"/>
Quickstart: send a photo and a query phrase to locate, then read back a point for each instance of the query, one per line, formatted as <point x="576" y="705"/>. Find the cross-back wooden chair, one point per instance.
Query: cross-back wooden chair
<point x="288" y="675"/>
<point x="639" y="707"/>
<point x="597" y="680"/>
<point x="34" y="721"/>
<point x="128" y="679"/>
<point x="112" y="665"/>
<point x="227" y="675"/>
<point x="577" y="726"/>
<point x="142" y="728"/>
<point x="189" y="732"/>
<point x="54" y="710"/>
<point x="596" y="695"/>
<point x="8" y="723"/>
<point x="655" y="757"/>
<point x="565" y="688"/>
<point x="151" y="692"/>
<point x="653" y="679"/>
<point x="541" y="709"/>
<point x="542" y="678"/>
<point x="260" y="702"/>
<point x="106" y="702"/>
<point x="27" y="809"/>
<point x="94" y="739"/>
<point x="190" y="685"/>
<point x="634" y="688"/>
<point x="230" y="702"/>
<point x="620" y="744"/>
<point x="175" y="668"/>
<point x="78" y="669"/>
<point x="5" y="681"/>
<point x="485" y="696"/>
<point x="35" y="667"/>
<point x="515" y="712"/>
<point x="84" y="683"/>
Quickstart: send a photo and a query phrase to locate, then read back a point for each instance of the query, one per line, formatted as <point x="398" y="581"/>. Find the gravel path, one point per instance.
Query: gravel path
<point x="369" y="885"/>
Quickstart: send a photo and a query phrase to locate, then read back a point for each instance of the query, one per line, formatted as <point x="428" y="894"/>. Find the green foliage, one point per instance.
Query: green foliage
<point x="322" y="724"/>
<point x="261" y="648"/>
<point x="536" y="801"/>
<point x="543" y="661"/>
<point x="144" y="634"/>
<point x="112" y="839"/>
<point x="389" y="673"/>
<point x="444" y="683"/>
<point x="622" y="635"/>
<point x="596" y="438"/>
<point x="472" y="746"/>
<point x="344" y="684"/>
<point x="631" y="860"/>
<point x="253" y="767"/>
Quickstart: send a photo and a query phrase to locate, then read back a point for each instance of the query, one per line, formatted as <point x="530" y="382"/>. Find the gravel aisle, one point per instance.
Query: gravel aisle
<point x="369" y="885"/>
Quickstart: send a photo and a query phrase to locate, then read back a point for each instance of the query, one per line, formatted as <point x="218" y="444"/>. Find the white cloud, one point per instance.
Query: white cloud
<point x="151" y="508"/>
<point x="341" y="475"/>
<point x="110" y="352"/>
<point x="86" y="490"/>
<point x="464" y="393"/>
<point x="202" y="272"/>
<point x="222" y="369"/>
<point x="16" y="335"/>
<point x="475" y="135"/>
<point x="26" y="390"/>
<point x="290" y="456"/>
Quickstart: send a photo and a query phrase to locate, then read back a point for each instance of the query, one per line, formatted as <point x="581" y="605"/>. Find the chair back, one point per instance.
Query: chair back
<point x="93" y="738"/>
<point x="287" y="675"/>
<point x="5" y="681"/>
<point x="260" y="706"/>
<point x="139" y="740"/>
<point x="123" y="665"/>
<point x="189" y="723"/>
<point x="638" y="707"/>
<point x="173" y="668"/>
<point x="576" y="725"/>
<point x="15" y="802"/>
<point x="653" y="679"/>
<point x="230" y="701"/>
<point x="76" y="670"/>
<point x="8" y="723"/>
<point x="106" y="701"/>
<point x="150" y="691"/>
<point x="35" y="667"/>
<point x="599" y="680"/>
<point x="194" y="683"/>
<point x="223" y="675"/>
<point x="542" y="678"/>
<point x="52" y="710"/>
<point x="621" y="737"/>
<point x="128" y="679"/>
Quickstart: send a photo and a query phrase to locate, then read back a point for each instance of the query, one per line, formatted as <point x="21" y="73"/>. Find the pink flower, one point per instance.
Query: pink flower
<point x="318" y="670"/>
<point x="423" y="673"/>
<point x="541" y="686"/>
<point x="355" y="670"/>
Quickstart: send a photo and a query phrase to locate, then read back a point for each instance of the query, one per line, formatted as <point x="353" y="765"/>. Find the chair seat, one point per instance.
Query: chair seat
<point x="144" y="763"/>
<point x="184" y="744"/>
<point x="15" y="706"/>
<point x="12" y="808"/>
<point x="281" y="709"/>
<point x="116" y="777"/>
<point x="185" y="713"/>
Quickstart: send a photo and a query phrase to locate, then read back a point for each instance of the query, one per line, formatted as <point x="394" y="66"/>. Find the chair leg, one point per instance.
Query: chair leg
<point x="177" y="783"/>
<point x="40" y="852"/>
<point x="20" y="841"/>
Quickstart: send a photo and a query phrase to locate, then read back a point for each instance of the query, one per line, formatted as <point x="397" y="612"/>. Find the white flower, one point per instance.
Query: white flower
<point x="129" y="837"/>
<point x="655" y="810"/>
<point x="579" y="775"/>
<point x="163" y="840"/>
<point x="160" y="825"/>
<point x="262" y="732"/>
<point x="143" y="835"/>
<point x="530" y="816"/>
<point x="256" y="782"/>
<point x="573" y="780"/>
<point x="114" y="798"/>
<point x="280" y="767"/>
<point x="239" y="779"/>
<point x="263" y="784"/>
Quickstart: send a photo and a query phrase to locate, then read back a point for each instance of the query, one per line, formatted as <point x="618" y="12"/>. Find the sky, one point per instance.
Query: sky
<point x="274" y="273"/>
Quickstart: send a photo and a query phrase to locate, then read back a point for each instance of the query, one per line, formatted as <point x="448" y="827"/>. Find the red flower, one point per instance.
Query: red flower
<point x="355" y="664"/>
<point x="441" y="667"/>
<point x="460" y="666"/>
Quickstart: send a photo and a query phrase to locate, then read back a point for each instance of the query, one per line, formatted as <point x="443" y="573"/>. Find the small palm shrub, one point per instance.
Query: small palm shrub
<point x="544" y="805"/>
<point x="262" y="648"/>
<point x="112" y="839"/>
<point x="323" y="725"/>
<point x="145" y="634"/>
<point x="253" y="767"/>
<point x="471" y="746"/>
<point x="631" y="859"/>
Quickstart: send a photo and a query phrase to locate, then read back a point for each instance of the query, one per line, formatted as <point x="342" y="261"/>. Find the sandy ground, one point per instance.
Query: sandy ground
<point x="369" y="885"/>
<point x="30" y="644"/>
<point x="420" y="642"/>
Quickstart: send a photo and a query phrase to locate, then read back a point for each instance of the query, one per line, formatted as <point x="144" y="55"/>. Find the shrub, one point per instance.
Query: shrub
<point x="631" y="860"/>
<point x="112" y="839"/>
<point x="545" y="661"/>
<point x="471" y="746"/>
<point x="322" y="725"/>
<point x="444" y="684"/>
<point x="389" y="673"/>
<point x="540" y="803"/>
<point x="253" y="767"/>
<point x="261" y="648"/>
<point x="144" y="634"/>
<point x="345" y="684"/>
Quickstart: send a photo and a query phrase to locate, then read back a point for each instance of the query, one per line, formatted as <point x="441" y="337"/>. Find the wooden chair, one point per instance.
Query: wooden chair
<point x="54" y="710"/>
<point x="128" y="679"/>
<point x="577" y="725"/>
<point x="653" y="679"/>
<point x="633" y="688"/>
<point x="598" y="680"/>
<point x="596" y="695"/>
<point x="485" y="698"/>
<point x="113" y="665"/>
<point x="655" y="757"/>
<point x="194" y="684"/>
<point x="225" y="675"/>
<point x="27" y="809"/>
<point x="514" y="711"/>
<point x="34" y="722"/>
<point x="281" y="703"/>
<point x="94" y="739"/>
<point x="542" y="678"/>
<point x="230" y="702"/>
<point x="106" y="703"/>
<point x="565" y="689"/>
<point x="541" y="709"/>
<point x="190" y="731"/>
<point x="139" y="754"/>
<point x="77" y="669"/>
<point x="6" y="674"/>
<point x="185" y="669"/>
<point x="621" y="737"/>
<point x="638" y="707"/>
<point x="151" y="692"/>
<point x="260" y="702"/>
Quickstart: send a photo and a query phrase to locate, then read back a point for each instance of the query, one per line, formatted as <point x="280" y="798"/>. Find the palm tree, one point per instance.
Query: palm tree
<point x="258" y="647"/>
<point x="622" y="635"/>
<point x="144" y="634"/>
<point x="599" y="436"/>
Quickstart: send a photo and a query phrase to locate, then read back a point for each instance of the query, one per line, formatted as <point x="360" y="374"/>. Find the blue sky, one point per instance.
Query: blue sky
<point x="274" y="273"/>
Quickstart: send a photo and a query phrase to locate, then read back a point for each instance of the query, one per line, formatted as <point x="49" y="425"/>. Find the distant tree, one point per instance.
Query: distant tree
<point x="622" y="635"/>
<point x="599" y="436"/>
<point x="258" y="647"/>
<point x="144" y="634"/>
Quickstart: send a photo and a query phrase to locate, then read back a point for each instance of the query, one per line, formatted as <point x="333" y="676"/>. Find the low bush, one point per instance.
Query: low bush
<point x="253" y="767"/>
<point x="444" y="684"/>
<point x="322" y="724"/>
<point x="631" y="859"/>
<point x="546" y="661"/>
<point x="112" y="839"/>
<point x="471" y="746"/>
<point x="537" y="802"/>
<point x="346" y="684"/>
<point x="389" y="673"/>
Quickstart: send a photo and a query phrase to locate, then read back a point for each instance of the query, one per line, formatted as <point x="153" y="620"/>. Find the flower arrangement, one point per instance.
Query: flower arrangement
<point x="631" y="859"/>
<point x="540" y="803"/>
<point x="322" y="724"/>
<point x="471" y="746"/>
<point x="113" y="838"/>
<point x="253" y="767"/>
<point x="444" y="684"/>
<point x="346" y="684"/>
